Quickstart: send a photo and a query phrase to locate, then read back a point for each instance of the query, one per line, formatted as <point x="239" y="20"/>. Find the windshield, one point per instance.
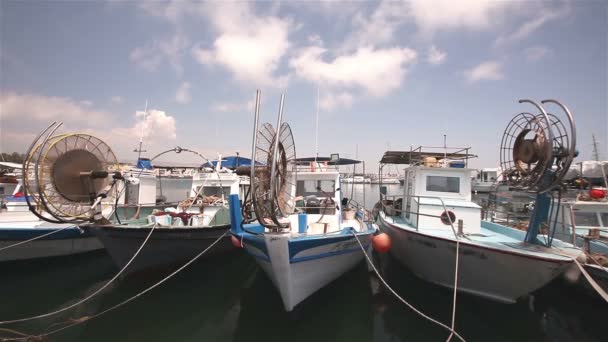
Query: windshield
<point x="310" y="188"/>
<point x="215" y="191"/>
<point x="443" y="184"/>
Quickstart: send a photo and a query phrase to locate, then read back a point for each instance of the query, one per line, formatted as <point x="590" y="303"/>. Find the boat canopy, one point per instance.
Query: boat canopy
<point x="231" y="162"/>
<point x="144" y="163"/>
<point x="417" y="156"/>
<point x="330" y="160"/>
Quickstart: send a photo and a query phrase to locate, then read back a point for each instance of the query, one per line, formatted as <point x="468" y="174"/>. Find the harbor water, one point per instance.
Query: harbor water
<point x="230" y="299"/>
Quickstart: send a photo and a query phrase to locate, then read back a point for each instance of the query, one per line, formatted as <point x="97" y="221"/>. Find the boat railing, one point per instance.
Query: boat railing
<point x="418" y="214"/>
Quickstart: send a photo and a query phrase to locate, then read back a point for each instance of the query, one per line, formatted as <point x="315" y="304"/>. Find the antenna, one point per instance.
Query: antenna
<point x="317" y="128"/>
<point x="141" y="135"/>
<point x="445" y="150"/>
<point x="596" y="152"/>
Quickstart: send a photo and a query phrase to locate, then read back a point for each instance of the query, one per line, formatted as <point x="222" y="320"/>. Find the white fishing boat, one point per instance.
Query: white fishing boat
<point x="9" y="179"/>
<point x="305" y="235"/>
<point x="180" y="232"/>
<point x="485" y="179"/>
<point x="27" y="231"/>
<point x="434" y="218"/>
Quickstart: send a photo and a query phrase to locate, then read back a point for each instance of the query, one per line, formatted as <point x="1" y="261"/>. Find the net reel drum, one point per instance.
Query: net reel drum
<point x="536" y="150"/>
<point x="273" y="171"/>
<point x="535" y="154"/>
<point x="70" y="178"/>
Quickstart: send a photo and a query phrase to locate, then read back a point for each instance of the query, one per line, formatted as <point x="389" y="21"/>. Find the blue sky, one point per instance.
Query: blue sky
<point x="389" y="74"/>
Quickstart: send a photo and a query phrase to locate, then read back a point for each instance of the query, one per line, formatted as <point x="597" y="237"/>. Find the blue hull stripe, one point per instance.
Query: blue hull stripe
<point x="325" y="255"/>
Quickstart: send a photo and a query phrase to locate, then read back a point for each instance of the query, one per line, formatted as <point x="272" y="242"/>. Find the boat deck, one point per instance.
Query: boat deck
<point x="493" y="236"/>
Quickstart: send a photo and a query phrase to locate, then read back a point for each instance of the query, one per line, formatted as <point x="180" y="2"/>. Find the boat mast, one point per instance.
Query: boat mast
<point x="317" y="128"/>
<point x="141" y="135"/>
<point x="596" y="153"/>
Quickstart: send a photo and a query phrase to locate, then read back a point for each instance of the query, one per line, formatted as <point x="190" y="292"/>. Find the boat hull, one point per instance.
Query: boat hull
<point x="69" y="241"/>
<point x="299" y="271"/>
<point x="166" y="246"/>
<point x="490" y="273"/>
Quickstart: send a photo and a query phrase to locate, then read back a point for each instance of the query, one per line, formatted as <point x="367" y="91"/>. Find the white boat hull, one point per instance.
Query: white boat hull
<point x="490" y="273"/>
<point x="307" y="273"/>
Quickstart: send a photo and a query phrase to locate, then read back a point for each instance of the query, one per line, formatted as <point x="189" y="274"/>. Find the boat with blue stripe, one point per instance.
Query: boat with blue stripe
<point x="294" y="221"/>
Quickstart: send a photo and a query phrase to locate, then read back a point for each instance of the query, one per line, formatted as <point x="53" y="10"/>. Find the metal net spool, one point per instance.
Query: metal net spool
<point x="563" y="148"/>
<point x="260" y="184"/>
<point x="285" y="172"/>
<point x="57" y="173"/>
<point x="525" y="151"/>
<point x="536" y="150"/>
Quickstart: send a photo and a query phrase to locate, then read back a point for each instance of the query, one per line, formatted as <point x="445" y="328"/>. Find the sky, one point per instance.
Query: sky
<point x="381" y="75"/>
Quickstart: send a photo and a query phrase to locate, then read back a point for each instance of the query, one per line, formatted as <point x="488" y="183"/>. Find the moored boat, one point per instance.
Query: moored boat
<point x="434" y="219"/>
<point x="305" y="235"/>
<point x="180" y="233"/>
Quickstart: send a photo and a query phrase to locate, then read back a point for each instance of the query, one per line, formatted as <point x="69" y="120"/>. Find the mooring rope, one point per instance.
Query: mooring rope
<point x="34" y="238"/>
<point x="456" y="267"/>
<point x="89" y="296"/>
<point x="369" y="260"/>
<point x="87" y="318"/>
<point x="591" y="281"/>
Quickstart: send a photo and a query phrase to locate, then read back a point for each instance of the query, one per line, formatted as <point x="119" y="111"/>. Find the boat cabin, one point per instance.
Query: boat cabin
<point x="428" y="189"/>
<point x="219" y="184"/>
<point x="435" y="192"/>
<point x="318" y="208"/>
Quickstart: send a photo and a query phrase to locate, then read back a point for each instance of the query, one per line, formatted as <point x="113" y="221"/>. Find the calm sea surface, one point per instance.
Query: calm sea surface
<point x="231" y="299"/>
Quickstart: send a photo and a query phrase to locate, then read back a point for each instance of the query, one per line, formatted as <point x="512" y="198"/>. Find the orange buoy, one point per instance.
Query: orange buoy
<point x="381" y="243"/>
<point x="597" y="193"/>
<point x="236" y="242"/>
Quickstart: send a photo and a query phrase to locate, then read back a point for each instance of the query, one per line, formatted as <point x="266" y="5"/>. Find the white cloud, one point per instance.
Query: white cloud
<point x="146" y="57"/>
<point x="37" y="109"/>
<point x="87" y="103"/>
<point x="378" y="71"/>
<point x="490" y="70"/>
<point x="233" y="107"/>
<point x="545" y="15"/>
<point x="23" y="115"/>
<point x="157" y="125"/>
<point x="330" y="101"/>
<point x="248" y="46"/>
<point x="183" y="93"/>
<point x="536" y="53"/>
<point x="432" y="16"/>
<point x="150" y="56"/>
<point x="116" y="99"/>
<point x="436" y="56"/>
<point x="380" y="27"/>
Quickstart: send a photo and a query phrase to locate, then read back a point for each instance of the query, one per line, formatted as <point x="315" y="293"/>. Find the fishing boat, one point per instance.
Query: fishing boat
<point x="30" y="226"/>
<point x="304" y="234"/>
<point x="485" y="180"/>
<point x="434" y="219"/>
<point x="8" y="179"/>
<point x="180" y="233"/>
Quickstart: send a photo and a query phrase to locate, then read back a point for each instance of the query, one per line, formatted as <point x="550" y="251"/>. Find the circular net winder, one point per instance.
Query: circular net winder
<point x="65" y="173"/>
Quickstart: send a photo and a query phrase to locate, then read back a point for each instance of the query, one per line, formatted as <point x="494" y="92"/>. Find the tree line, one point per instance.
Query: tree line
<point x="12" y="157"/>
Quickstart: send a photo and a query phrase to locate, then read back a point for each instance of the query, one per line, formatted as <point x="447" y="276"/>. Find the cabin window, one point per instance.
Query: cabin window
<point x="586" y="219"/>
<point x="309" y="188"/>
<point x="443" y="184"/>
<point x="215" y="191"/>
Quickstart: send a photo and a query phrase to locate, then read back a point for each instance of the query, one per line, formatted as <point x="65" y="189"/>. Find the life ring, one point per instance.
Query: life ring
<point x="447" y="217"/>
